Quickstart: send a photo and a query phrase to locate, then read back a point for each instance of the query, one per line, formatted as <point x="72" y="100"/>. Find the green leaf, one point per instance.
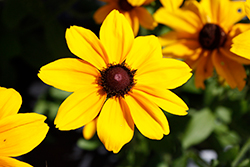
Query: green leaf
<point x="223" y="114"/>
<point x="199" y="128"/>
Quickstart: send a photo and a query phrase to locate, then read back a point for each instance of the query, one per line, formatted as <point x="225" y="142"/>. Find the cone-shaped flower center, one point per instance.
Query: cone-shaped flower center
<point x="117" y="80"/>
<point x="212" y="36"/>
<point x="124" y="5"/>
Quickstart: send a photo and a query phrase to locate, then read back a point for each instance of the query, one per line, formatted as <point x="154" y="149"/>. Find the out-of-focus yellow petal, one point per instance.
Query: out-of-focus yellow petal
<point x="115" y="126"/>
<point x="116" y="36"/>
<point x="68" y="74"/>
<point x="80" y="108"/>
<point x="241" y="45"/>
<point x="147" y="116"/>
<point x="171" y="5"/>
<point x="174" y="36"/>
<point x="233" y="72"/>
<point x="10" y="102"/>
<point x="102" y="12"/>
<point x="235" y="30"/>
<point x="84" y="44"/>
<point x="145" y="18"/>
<point x="136" y="2"/>
<point x="139" y="57"/>
<point x="247" y="8"/>
<point x="11" y="162"/>
<point x="164" y="98"/>
<point x="220" y="11"/>
<point x="234" y="57"/>
<point x="182" y="48"/>
<point x="204" y="69"/>
<point x="168" y="73"/>
<point x="89" y="129"/>
<point x="20" y="133"/>
<point x="147" y="2"/>
<point x="180" y="20"/>
<point x="133" y="20"/>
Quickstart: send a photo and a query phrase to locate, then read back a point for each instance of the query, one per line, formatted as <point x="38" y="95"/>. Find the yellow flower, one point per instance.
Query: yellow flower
<point x="120" y="80"/>
<point x="132" y="10"/>
<point x="203" y="35"/>
<point x="19" y="133"/>
<point x="241" y="42"/>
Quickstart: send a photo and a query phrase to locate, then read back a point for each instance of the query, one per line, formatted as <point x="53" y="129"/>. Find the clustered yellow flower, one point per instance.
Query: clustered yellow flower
<point x="132" y="10"/>
<point x="202" y="36"/>
<point x="19" y="132"/>
<point x="120" y="82"/>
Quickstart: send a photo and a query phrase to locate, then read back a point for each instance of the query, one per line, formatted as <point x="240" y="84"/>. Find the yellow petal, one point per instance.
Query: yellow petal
<point x="247" y="8"/>
<point x="164" y="98"/>
<point x="21" y="133"/>
<point x="204" y="69"/>
<point x="180" y="20"/>
<point x="233" y="72"/>
<point x="171" y="5"/>
<point x="11" y="162"/>
<point x="102" y="12"/>
<point x="89" y="129"/>
<point x="116" y="36"/>
<point x="147" y="116"/>
<point x="133" y="20"/>
<point x="182" y="49"/>
<point x="220" y="11"/>
<point x="80" y="108"/>
<point x="145" y="18"/>
<point x="84" y="44"/>
<point x="241" y="45"/>
<point x="234" y="57"/>
<point x="68" y="74"/>
<point x="174" y="36"/>
<point x="115" y="126"/>
<point x="138" y="57"/>
<point x="168" y="73"/>
<point x="10" y="102"/>
<point x="147" y="2"/>
<point x="136" y="2"/>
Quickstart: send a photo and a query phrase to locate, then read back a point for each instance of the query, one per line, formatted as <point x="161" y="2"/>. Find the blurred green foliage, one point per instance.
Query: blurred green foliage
<point x="32" y="34"/>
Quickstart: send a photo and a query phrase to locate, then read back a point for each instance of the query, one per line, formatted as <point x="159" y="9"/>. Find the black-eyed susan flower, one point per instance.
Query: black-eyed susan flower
<point x="203" y="35"/>
<point x="19" y="133"/>
<point x="241" y="42"/>
<point x="132" y="10"/>
<point x="119" y="81"/>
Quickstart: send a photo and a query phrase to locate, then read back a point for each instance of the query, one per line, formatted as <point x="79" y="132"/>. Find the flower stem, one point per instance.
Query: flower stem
<point x="243" y="151"/>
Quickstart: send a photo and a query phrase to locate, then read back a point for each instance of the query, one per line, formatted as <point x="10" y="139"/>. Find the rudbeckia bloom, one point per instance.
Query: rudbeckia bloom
<point x="203" y="35"/>
<point x="118" y="80"/>
<point x="19" y="133"/>
<point x="241" y="42"/>
<point x="132" y="10"/>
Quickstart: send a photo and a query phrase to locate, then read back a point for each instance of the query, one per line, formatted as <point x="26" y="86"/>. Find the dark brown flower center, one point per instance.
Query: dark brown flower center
<point x="117" y="80"/>
<point x="124" y="5"/>
<point x="212" y="36"/>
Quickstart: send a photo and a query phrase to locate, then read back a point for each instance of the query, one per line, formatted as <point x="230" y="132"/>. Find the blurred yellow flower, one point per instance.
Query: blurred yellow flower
<point x="241" y="42"/>
<point x="203" y="35"/>
<point x="132" y="10"/>
<point x="19" y="133"/>
<point x="120" y="80"/>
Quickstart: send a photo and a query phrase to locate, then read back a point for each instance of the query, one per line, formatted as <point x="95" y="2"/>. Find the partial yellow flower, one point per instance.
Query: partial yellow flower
<point x="203" y="35"/>
<point x="132" y="10"/>
<point x="19" y="133"/>
<point x="241" y="42"/>
<point x="118" y="82"/>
